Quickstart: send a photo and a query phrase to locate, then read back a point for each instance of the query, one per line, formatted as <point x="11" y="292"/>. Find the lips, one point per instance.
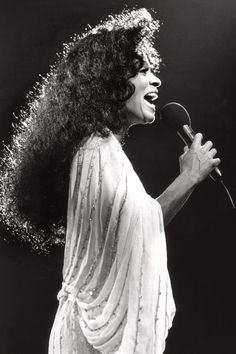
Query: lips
<point x="150" y="97"/>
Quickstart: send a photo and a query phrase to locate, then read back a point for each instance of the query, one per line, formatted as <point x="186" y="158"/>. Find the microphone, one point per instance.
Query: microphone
<point x="176" y="118"/>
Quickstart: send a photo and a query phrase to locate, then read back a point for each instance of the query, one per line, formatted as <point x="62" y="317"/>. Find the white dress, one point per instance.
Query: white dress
<point x="116" y="293"/>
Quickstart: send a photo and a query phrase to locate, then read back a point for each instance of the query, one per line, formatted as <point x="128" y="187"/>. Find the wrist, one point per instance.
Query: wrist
<point x="188" y="179"/>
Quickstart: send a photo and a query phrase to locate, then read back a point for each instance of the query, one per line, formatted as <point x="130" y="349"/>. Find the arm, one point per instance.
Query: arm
<point x="196" y="164"/>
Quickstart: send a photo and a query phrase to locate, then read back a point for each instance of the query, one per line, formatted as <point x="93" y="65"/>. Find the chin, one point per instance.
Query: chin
<point x="149" y="119"/>
<point x="142" y="119"/>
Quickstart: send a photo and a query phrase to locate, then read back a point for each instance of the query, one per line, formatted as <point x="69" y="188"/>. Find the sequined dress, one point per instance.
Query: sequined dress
<point x="116" y="295"/>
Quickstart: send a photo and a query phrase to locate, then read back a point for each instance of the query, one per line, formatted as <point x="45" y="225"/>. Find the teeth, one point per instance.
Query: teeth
<point x="150" y="97"/>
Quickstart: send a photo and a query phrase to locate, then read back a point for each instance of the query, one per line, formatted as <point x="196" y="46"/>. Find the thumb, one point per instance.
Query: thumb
<point x="186" y="148"/>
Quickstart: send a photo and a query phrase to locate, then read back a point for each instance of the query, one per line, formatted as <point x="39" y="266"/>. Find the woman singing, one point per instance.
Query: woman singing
<point x="66" y="157"/>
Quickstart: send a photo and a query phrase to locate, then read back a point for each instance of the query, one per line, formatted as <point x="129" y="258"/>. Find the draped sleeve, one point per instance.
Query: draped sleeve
<point x="116" y="287"/>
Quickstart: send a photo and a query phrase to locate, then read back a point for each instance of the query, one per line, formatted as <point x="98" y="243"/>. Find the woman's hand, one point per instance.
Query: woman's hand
<point x="195" y="164"/>
<point x="198" y="161"/>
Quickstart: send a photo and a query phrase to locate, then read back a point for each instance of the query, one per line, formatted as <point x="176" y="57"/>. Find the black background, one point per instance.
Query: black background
<point x="197" y="42"/>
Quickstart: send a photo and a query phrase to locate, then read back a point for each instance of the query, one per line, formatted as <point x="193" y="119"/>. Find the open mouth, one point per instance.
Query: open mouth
<point x="151" y="97"/>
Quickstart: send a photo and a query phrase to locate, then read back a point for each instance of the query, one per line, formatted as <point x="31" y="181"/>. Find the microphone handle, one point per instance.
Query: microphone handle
<point x="187" y="135"/>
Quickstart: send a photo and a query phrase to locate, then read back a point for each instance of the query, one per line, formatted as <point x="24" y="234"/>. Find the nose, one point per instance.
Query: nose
<point x="155" y="81"/>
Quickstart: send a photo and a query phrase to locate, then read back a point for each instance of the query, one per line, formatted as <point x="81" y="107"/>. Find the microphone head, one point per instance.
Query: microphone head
<point x="174" y="116"/>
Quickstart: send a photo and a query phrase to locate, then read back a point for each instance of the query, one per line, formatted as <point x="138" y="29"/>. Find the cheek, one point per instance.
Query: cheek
<point x="134" y="104"/>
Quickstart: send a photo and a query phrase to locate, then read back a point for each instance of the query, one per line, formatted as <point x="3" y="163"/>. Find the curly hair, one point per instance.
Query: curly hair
<point x="84" y="93"/>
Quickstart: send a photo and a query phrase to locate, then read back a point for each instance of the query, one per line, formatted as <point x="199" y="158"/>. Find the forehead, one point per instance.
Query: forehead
<point x="145" y="59"/>
<point x="146" y="62"/>
<point x="151" y="59"/>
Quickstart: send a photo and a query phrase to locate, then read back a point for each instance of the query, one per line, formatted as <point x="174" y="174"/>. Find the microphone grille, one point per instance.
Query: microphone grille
<point x="174" y="116"/>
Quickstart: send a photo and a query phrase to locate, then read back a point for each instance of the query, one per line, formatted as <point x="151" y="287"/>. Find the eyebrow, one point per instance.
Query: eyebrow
<point x="146" y="64"/>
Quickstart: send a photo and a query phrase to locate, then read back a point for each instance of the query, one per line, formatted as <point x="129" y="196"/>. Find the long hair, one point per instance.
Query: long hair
<point x="84" y="93"/>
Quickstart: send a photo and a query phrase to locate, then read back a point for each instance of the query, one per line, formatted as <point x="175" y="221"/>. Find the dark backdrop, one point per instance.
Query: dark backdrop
<point x="198" y="44"/>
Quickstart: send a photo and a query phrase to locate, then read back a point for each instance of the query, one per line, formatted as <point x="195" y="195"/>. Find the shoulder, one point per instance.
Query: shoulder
<point x="98" y="165"/>
<point x="96" y="153"/>
<point x="97" y="142"/>
<point x="98" y="147"/>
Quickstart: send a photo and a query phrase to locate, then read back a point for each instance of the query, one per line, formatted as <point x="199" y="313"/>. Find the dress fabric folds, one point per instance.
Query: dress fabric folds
<point x="116" y="295"/>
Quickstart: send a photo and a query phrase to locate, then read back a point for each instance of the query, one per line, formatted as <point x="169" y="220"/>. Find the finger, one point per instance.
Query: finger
<point x="186" y="148"/>
<point x="213" y="152"/>
<point x="216" y="162"/>
<point x="207" y="146"/>
<point x="197" y="140"/>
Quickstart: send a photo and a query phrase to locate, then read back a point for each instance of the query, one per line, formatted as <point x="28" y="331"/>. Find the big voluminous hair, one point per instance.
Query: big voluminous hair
<point x="84" y="93"/>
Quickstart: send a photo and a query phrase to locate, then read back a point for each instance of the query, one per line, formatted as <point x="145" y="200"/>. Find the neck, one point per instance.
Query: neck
<point x="121" y="136"/>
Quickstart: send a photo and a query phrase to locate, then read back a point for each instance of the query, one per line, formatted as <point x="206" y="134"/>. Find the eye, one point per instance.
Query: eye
<point x="144" y="70"/>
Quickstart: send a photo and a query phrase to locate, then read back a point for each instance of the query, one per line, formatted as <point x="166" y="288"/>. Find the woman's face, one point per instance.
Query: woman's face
<point x="140" y="108"/>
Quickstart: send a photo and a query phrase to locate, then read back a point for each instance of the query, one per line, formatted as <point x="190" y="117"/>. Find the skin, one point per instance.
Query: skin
<point x="196" y="163"/>
<point x="139" y="110"/>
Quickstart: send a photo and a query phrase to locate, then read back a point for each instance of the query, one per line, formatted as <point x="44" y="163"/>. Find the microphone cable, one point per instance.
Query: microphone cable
<point x="228" y="193"/>
<point x="176" y="118"/>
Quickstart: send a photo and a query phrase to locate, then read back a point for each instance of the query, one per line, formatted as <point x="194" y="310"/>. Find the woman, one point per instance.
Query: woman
<point x="116" y="295"/>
